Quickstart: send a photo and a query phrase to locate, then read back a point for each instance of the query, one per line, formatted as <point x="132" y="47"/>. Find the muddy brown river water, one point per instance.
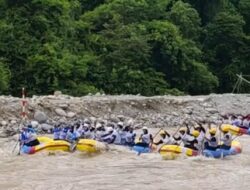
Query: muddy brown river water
<point x="121" y="169"/>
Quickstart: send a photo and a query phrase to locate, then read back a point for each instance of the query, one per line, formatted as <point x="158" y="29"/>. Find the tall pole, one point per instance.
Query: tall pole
<point x="24" y="104"/>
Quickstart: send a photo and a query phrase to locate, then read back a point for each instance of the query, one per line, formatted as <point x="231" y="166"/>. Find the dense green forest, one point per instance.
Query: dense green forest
<point x="151" y="47"/>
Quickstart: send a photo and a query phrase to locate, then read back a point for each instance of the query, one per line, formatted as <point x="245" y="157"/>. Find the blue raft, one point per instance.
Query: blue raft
<point x="142" y="148"/>
<point x="218" y="153"/>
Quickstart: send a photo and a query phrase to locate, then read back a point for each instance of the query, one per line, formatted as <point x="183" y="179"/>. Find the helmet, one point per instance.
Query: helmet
<point x="162" y="133"/>
<point x="120" y="124"/>
<point x="195" y="133"/>
<point x="225" y="128"/>
<point x="144" y="128"/>
<point x="184" y="129"/>
<point x="212" y="131"/>
<point x="86" y="121"/>
<point x="98" y="125"/>
<point x="109" y="129"/>
<point x="86" y="125"/>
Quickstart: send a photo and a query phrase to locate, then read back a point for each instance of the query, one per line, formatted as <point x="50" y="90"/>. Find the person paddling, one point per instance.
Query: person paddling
<point x="146" y="138"/>
<point x="226" y="138"/>
<point x="28" y="137"/>
<point x="130" y="136"/>
<point x="188" y="140"/>
<point x="166" y="139"/>
<point x="211" y="142"/>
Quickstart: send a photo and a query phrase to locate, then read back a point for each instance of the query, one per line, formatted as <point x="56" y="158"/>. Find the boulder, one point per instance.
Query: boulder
<point x="60" y="112"/>
<point x="4" y="123"/>
<point x="13" y="122"/>
<point x="63" y="106"/>
<point x="71" y="114"/>
<point x="211" y="110"/>
<point x="40" y="116"/>
<point x="46" y="127"/>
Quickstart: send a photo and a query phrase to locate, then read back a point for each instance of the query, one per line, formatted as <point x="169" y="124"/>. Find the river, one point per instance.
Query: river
<point x="121" y="169"/>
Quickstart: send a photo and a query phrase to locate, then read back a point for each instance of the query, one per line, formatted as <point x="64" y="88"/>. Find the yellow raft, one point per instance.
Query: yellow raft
<point x="90" y="146"/>
<point x="173" y="151"/>
<point x="49" y="144"/>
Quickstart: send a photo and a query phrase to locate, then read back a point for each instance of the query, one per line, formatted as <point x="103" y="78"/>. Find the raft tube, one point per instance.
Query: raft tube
<point x="90" y="146"/>
<point x="47" y="144"/>
<point x="173" y="151"/>
<point x="218" y="153"/>
<point x="237" y="130"/>
<point x="140" y="148"/>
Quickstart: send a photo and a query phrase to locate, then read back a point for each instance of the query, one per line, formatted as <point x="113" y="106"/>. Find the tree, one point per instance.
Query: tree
<point x="223" y="44"/>
<point x="244" y="8"/>
<point x="179" y="59"/>
<point x="187" y="19"/>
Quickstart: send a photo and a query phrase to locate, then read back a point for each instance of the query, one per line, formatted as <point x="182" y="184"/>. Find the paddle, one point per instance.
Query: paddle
<point x="15" y="147"/>
<point x="20" y="146"/>
<point x="154" y="137"/>
<point x="172" y="136"/>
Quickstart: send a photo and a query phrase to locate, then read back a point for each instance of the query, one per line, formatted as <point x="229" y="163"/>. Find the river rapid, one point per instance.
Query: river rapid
<point x="121" y="169"/>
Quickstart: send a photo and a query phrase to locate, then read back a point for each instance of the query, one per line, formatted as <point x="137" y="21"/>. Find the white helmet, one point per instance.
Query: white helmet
<point x="98" y="125"/>
<point x="144" y="128"/>
<point x="86" y="125"/>
<point x="120" y="123"/>
<point x="109" y="129"/>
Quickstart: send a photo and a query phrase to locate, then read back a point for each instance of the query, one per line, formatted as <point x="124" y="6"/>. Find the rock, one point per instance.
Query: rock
<point x="71" y="114"/>
<point x="63" y="106"/>
<point x="13" y="122"/>
<point x="188" y="111"/>
<point x="175" y="114"/>
<point x="60" y="112"/>
<point x="41" y="117"/>
<point x="62" y="120"/>
<point x="46" y="127"/>
<point x="211" y="110"/>
<point x="4" y="123"/>
<point x="57" y="93"/>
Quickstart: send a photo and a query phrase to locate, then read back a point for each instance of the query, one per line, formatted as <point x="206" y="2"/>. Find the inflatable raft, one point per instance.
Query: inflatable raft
<point x="90" y="146"/>
<point x="218" y="153"/>
<point x="140" y="148"/>
<point x="173" y="151"/>
<point x="47" y="144"/>
<point x="237" y="130"/>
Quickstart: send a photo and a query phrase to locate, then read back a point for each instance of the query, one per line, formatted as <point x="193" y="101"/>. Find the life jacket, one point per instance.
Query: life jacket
<point x="56" y="133"/>
<point x="122" y="134"/>
<point x="246" y="123"/>
<point x="168" y="140"/>
<point x="107" y="138"/>
<point x="130" y="137"/>
<point x="24" y="137"/>
<point x="227" y="139"/>
<point x="70" y="136"/>
<point x="63" y="134"/>
<point x="145" y="138"/>
<point x="88" y="134"/>
<point x="117" y="137"/>
<point x="201" y="137"/>
<point x="99" y="134"/>
<point x="187" y="139"/>
<point x="213" y="141"/>
<point x="237" y="122"/>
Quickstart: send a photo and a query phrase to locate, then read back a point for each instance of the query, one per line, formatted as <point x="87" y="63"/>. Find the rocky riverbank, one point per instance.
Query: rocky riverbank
<point x="158" y="111"/>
